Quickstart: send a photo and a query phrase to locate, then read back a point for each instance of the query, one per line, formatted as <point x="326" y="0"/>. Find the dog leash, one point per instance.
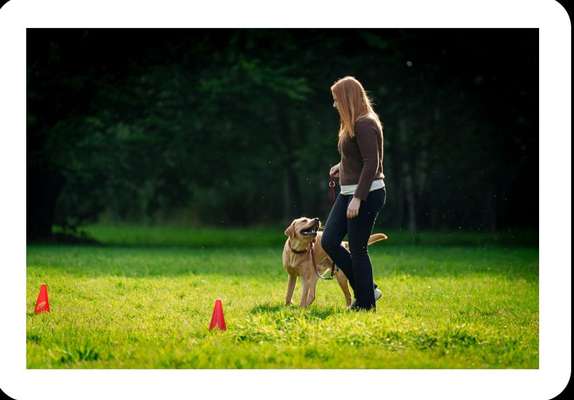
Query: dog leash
<point x="311" y="249"/>
<point x="332" y="197"/>
<point x="332" y="185"/>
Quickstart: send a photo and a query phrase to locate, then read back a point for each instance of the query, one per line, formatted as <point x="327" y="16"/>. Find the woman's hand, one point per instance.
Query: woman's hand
<point x="353" y="208"/>
<point x="334" y="172"/>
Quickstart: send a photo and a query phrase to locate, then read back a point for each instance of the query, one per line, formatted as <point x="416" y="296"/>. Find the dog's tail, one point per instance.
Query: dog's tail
<point x="376" y="237"/>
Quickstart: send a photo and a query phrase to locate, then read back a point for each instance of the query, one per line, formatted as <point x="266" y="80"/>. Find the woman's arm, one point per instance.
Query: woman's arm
<point x="367" y="135"/>
<point x="334" y="171"/>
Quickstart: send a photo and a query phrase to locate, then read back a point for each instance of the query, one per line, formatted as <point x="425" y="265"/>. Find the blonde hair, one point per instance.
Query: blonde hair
<point x="352" y="104"/>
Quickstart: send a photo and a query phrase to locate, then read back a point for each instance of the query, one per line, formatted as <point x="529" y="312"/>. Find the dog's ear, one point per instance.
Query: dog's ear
<point x="290" y="229"/>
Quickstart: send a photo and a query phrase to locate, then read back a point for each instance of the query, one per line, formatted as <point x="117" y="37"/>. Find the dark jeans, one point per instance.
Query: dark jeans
<point x="356" y="265"/>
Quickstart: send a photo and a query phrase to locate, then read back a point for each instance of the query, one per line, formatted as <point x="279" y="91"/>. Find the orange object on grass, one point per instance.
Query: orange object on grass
<point x="217" y="319"/>
<point x="42" y="303"/>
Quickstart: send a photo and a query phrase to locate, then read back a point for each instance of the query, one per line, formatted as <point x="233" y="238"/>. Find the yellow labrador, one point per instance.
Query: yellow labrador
<point x="304" y="256"/>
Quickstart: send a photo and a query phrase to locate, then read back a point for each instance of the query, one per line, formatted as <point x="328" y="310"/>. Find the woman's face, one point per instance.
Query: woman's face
<point x="335" y="101"/>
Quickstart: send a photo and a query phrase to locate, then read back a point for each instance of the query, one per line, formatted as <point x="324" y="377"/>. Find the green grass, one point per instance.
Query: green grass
<point x="145" y="299"/>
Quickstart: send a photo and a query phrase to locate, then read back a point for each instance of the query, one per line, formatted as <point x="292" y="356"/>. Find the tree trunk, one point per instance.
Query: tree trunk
<point x="286" y="197"/>
<point x="490" y="210"/>
<point x="43" y="186"/>
<point x="292" y="191"/>
<point x="407" y="175"/>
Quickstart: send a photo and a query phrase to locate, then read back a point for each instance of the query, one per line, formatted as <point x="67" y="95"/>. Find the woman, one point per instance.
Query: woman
<point x="362" y="194"/>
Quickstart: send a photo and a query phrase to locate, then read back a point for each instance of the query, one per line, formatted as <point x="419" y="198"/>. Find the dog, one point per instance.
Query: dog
<point x="303" y="256"/>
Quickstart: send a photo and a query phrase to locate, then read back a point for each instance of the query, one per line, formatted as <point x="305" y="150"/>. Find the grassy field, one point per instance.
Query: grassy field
<point x="144" y="300"/>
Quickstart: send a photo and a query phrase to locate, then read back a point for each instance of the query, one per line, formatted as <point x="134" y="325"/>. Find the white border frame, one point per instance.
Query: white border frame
<point x="555" y="200"/>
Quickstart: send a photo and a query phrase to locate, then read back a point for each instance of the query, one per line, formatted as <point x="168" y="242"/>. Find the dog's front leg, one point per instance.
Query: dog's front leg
<point x="304" y="291"/>
<point x="312" y="288"/>
<point x="290" y="289"/>
<point x="344" y="284"/>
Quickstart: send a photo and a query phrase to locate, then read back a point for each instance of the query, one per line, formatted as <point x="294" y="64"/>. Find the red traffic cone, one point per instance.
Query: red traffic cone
<point x="42" y="304"/>
<point x="217" y="320"/>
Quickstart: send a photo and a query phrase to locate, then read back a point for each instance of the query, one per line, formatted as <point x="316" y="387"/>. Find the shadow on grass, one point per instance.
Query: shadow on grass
<point x="312" y="312"/>
<point x="271" y="236"/>
<point x="268" y="308"/>
<point x="265" y="263"/>
<point x="70" y="239"/>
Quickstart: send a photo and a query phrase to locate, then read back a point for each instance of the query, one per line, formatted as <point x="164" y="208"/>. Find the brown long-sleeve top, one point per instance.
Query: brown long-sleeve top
<point x="361" y="157"/>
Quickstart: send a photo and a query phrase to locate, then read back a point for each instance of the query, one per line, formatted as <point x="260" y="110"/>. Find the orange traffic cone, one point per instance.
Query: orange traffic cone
<point x="217" y="320"/>
<point x="42" y="304"/>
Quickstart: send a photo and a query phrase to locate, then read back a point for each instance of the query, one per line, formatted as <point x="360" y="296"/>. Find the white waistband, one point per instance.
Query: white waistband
<point x="350" y="189"/>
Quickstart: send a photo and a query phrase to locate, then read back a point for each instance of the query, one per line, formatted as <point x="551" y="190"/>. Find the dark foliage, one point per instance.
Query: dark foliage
<point x="235" y="127"/>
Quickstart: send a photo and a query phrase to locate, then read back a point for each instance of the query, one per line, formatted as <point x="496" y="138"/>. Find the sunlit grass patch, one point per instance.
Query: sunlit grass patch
<point x="149" y="307"/>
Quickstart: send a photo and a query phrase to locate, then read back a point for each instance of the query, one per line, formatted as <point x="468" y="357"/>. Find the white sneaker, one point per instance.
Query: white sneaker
<point x="378" y="295"/>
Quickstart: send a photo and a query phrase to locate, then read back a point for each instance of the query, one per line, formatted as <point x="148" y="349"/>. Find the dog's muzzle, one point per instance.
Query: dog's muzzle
<point x="311" y="230"/>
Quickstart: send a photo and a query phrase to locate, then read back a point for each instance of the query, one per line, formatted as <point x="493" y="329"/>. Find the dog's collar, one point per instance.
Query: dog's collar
<point x="297" y="251"/>
<point x="310" y="250"/>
